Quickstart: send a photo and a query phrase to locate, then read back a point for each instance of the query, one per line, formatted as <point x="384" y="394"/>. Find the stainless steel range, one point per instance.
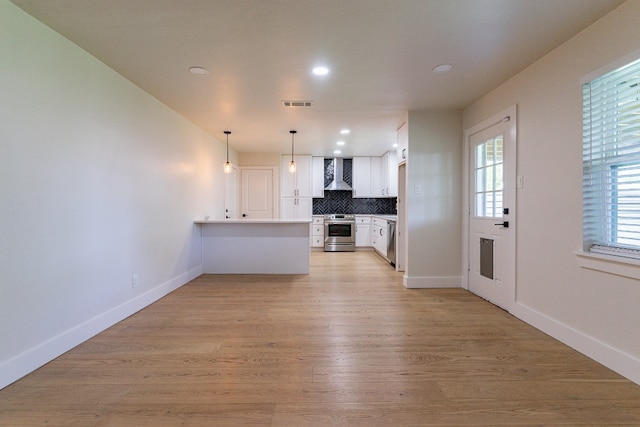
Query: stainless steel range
<point x="339" y="233"/>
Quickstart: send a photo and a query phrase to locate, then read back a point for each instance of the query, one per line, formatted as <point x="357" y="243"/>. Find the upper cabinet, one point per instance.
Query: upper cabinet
<point x="296" y="184"/>
<point x="375" y="176"/>
<point x="403" y="144"/>
<point x="361" y="179"/>
<point x="389" y="174"/>
<point x="317" y="177"/>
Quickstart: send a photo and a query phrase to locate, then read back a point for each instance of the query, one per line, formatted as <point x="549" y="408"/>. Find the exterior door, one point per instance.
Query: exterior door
<point x="491" y="221"/>
<point x="257" y="193"/>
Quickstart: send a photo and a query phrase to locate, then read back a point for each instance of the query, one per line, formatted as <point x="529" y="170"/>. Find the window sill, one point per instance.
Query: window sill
<point x="626" y="267"/>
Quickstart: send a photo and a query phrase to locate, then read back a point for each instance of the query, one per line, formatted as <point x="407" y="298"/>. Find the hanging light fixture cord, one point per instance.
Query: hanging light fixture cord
<point x="292" y="165"/>
<point x="227" y="166"/>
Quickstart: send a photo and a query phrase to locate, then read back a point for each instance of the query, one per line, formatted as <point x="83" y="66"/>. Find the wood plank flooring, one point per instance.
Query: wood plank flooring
<point x="346" y="345"/>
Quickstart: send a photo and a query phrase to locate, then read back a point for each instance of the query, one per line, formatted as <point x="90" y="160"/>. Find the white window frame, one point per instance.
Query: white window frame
<point x="603" y="254"/>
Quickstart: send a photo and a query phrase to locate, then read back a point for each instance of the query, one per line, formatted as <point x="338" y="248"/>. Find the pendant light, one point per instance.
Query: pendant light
<point x="227" y="166"/>
<point x="292" y="165"/>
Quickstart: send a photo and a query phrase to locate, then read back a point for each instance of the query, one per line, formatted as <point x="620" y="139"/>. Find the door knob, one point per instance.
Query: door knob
<point x="505" y="224"/>
<point x="244" y="215"/>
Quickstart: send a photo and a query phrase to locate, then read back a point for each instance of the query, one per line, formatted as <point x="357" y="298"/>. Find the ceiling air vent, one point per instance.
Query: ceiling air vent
<point x="289" y="103"/>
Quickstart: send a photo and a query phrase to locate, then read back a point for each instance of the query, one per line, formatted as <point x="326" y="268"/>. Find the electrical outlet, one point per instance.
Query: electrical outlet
<point x="135" y="281"/>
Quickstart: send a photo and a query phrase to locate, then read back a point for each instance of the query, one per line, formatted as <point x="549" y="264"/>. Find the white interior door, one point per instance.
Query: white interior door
<point x="491" y="222"/>
<point x="257" y="193"/>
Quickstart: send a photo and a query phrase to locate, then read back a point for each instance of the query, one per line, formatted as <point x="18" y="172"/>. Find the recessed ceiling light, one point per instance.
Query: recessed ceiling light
<point x="320" y="71"/>
<point x="337" y="152"/>
<point x="394" y="145"/>
<point x="345" y="131"/>
<point x="340" y="142"/>
<point x="199" y="71"/>
<point x="442" y="68"/>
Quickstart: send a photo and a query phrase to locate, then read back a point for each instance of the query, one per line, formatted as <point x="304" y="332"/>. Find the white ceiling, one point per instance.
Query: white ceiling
<point x="260" y="52"/>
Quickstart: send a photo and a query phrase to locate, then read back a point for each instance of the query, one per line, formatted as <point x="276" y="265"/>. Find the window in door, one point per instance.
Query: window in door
<point x="489" y="178"/>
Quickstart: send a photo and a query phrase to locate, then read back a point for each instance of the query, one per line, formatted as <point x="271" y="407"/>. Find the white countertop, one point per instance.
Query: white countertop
<point x="253" y="221"/>
<point x="391" y="217"/>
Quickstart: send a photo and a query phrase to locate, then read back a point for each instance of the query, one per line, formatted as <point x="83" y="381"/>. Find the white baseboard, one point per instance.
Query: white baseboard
<point x="15" y="368"/>
<point x="613" y="358"/>
<point x="427" y="282"/>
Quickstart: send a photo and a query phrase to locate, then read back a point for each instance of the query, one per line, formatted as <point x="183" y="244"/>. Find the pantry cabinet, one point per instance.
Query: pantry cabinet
<point x="297" y="184"/>
<point x="295" y="188"/>
<point x="296" y="207"/>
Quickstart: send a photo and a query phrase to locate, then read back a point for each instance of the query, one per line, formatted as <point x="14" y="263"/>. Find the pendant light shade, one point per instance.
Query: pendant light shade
<point x="292" y="165"/>
<point x="227" y="165"/>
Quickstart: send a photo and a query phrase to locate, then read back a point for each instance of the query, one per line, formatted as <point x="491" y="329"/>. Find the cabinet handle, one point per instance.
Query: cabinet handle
<point x="404" y="153"/>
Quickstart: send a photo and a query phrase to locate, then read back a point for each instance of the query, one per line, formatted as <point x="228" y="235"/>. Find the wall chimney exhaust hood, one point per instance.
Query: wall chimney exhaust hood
<point x="338" y="173"/>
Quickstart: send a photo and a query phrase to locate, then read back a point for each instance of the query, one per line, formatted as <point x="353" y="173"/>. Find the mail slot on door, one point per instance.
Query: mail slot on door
<point x="486" y="258"/>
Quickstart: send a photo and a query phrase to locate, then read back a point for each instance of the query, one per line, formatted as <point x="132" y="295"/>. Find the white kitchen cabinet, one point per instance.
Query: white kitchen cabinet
<point x="402" y="153"/>
<point x="363" y="231"/>
<point x="384" y="175"/>
<point x="317" y="177"/>
<point x="317" y="232"/>
<point x="379" y="235"/>
<point x="361" y="178"/>
<point x="376" y="177"/>
<point x="389" y="174"/>
<point x="295" y="189"/>
<point x="297" y="184"/>
<point x="296" y="207"/>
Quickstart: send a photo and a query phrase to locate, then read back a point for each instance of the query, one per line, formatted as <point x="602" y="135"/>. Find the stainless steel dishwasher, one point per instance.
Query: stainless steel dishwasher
<point x="391" y="241"/>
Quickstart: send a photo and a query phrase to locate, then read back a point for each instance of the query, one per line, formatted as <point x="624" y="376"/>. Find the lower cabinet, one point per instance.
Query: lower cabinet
<point x="317" y="232"/>
<point x="296" y="207"/>
<point x="363" y="231"/>
<point x="379" y="236"/>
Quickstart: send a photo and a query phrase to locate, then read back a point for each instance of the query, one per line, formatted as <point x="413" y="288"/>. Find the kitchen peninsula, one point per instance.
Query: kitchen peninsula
<point x="263" y="246"/>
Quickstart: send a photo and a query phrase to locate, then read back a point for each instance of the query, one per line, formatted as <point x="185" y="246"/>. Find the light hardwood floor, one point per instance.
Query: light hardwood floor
<point x="345" y="345"/>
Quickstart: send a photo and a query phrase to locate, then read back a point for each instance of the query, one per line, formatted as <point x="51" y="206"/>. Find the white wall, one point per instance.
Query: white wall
<point x="434" y="199"/>
<point x="98" y="182"/>
<point x="595" y="312"/>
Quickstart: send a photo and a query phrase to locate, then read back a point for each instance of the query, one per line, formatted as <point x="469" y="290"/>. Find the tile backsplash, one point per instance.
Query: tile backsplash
<point x="341" y="202"/>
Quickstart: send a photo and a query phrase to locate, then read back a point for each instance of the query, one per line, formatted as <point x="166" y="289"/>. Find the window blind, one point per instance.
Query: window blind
<point x="611" y="162"/>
